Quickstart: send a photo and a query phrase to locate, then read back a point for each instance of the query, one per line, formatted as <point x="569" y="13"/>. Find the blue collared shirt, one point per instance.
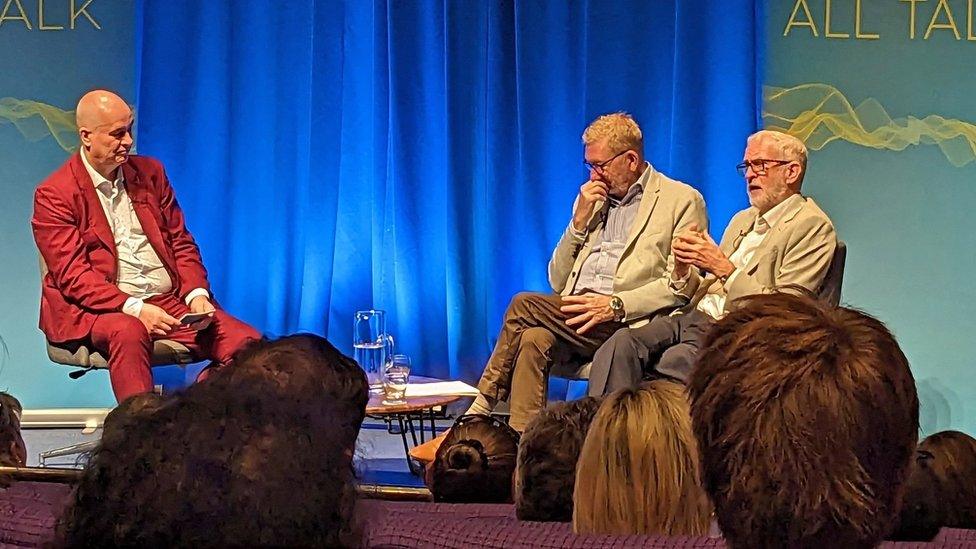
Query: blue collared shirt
<point x="600" y="267"/>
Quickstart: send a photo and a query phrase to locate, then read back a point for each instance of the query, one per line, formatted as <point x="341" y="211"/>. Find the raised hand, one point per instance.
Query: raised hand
<point x="698" y="249"/>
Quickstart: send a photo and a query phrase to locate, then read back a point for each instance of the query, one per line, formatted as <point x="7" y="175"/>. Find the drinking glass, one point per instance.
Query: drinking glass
<point x="396" y="375"/>
<point x="371" y="344"/>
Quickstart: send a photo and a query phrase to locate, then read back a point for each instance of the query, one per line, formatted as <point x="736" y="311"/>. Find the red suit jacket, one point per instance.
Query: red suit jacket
<point x="77" y="245"/>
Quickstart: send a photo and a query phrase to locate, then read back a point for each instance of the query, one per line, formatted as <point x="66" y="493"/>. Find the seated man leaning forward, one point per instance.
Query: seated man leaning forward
<point x="122" y="266"/>
<point x="784" y="239"/>
<point x="611" y="268"/>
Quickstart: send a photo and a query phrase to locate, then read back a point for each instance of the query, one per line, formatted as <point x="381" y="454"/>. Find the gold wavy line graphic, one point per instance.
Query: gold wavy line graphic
<point x="819" y="113"/>
<point x="35" y="121"/>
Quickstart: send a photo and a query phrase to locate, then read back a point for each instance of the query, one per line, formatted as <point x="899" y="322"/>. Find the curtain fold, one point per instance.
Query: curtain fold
<point x="422" y="156"/>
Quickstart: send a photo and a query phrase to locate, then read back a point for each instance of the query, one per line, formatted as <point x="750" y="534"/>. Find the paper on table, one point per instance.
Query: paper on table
<point x="441" y="388"/>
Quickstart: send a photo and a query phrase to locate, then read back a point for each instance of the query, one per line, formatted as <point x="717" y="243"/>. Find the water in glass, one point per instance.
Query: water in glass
<point x="396" y="375"/>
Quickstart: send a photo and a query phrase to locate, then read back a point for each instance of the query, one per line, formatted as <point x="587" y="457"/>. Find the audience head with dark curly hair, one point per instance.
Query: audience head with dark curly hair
<point x="547" y="456"/>
<point x="253" y="456"/>
<point x="475" y="462"/>
<point x="806" y="416"/>
<point x="128" y="413"/>
<point x="941" y="489"/>
<point x="302" y="366"/>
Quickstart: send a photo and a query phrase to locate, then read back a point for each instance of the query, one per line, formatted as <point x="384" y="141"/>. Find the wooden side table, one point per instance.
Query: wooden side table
<point x="410" y="417"/>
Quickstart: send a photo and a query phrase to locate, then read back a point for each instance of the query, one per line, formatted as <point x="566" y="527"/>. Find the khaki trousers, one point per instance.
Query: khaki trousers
<point x="535" y="334"/>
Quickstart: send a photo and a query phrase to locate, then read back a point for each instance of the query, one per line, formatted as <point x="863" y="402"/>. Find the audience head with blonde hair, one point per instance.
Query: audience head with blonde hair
<point x="638" y="471"/>
<point x="941" y="489"/>
<point x="806" y="416"/>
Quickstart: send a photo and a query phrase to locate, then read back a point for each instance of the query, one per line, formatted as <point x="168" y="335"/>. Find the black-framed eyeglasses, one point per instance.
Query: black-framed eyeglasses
<point x="598" y="167"/>
<point x="759" y="166"/>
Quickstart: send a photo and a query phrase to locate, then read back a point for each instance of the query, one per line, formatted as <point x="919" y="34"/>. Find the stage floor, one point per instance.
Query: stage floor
<point x="379" y="455"/>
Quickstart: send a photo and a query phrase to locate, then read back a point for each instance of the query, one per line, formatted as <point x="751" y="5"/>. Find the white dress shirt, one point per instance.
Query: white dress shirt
<point x="713" y="302"/>
<point x="141" y="273"/>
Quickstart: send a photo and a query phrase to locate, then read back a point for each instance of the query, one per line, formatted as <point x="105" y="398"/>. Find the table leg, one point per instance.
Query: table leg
<point x="413" y="432"/>
<point x="414" y="469"/>
<point x="423" y="430"/>
<point x="433" y="428"/>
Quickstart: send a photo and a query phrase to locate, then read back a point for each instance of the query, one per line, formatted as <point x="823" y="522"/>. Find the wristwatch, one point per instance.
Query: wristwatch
<point x="617" y="306"/>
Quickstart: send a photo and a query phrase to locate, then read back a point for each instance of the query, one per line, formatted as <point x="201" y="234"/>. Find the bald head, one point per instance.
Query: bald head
<point x="97" y="107"/>
<point x="105" y="128"/>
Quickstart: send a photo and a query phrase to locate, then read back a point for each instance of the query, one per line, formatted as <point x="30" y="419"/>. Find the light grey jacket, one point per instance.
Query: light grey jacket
<point x="797" y="252"/>
<point x="667" y="208"/>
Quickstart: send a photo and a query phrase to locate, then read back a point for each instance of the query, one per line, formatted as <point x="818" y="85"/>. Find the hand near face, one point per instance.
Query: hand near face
<point x="698" y="249"/>
<point x="590" y="193"/>
<point x="589" y="309"/>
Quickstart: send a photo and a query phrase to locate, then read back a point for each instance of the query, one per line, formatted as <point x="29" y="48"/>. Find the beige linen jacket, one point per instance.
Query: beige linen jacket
<point x="797" y="252"/>
<point x="667" y="208"/>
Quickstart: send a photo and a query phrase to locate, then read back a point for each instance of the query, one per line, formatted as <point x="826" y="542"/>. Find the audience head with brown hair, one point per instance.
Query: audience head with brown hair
<point x="475" y="462"/>
<point x="547" y="456"/>
<point x="13" y="452"/>
<point x="941" y="489"/>
<point x="638" y="471"/>
<point x="128" y="414"/>
<point x="259" y="454"/>
<point x="806" y="416"/>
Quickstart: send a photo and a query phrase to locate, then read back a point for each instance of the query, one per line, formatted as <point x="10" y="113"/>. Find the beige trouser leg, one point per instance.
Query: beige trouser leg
<point x="530" y="379"/>
<point x="534" y="329"/>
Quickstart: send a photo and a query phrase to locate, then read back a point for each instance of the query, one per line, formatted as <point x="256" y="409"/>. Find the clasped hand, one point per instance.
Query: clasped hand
<point x="697" y="248"/>
<point x="590" y="309"/>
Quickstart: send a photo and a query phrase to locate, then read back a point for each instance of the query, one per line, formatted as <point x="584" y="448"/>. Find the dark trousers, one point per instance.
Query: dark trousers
<point x="664" y="348"/>
<point x="534" y="334"/>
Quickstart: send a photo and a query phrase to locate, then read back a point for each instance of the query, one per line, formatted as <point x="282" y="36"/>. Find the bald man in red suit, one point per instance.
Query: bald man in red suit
<point x="122" y="266"/>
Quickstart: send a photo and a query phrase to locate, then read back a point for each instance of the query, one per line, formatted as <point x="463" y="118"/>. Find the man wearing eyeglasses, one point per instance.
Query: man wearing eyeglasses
<point x="783" y="240"/>
<point x="610" y="269"/>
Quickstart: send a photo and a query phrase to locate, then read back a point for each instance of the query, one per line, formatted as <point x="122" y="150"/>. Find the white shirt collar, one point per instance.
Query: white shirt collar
<point x="776" y="213"/>
<point x="97" y="179"/>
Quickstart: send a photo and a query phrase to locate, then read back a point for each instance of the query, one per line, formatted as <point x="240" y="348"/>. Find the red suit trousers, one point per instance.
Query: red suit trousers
<point x="128" y="345"/>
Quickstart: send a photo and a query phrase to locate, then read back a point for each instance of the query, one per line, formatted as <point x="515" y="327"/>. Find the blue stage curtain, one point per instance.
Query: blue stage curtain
<point x="422" y="156"/>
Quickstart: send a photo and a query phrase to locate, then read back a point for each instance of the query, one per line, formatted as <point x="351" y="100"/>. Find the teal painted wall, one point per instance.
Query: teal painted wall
<point x="906" y="215"/>
<point x="53" y="67"/>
